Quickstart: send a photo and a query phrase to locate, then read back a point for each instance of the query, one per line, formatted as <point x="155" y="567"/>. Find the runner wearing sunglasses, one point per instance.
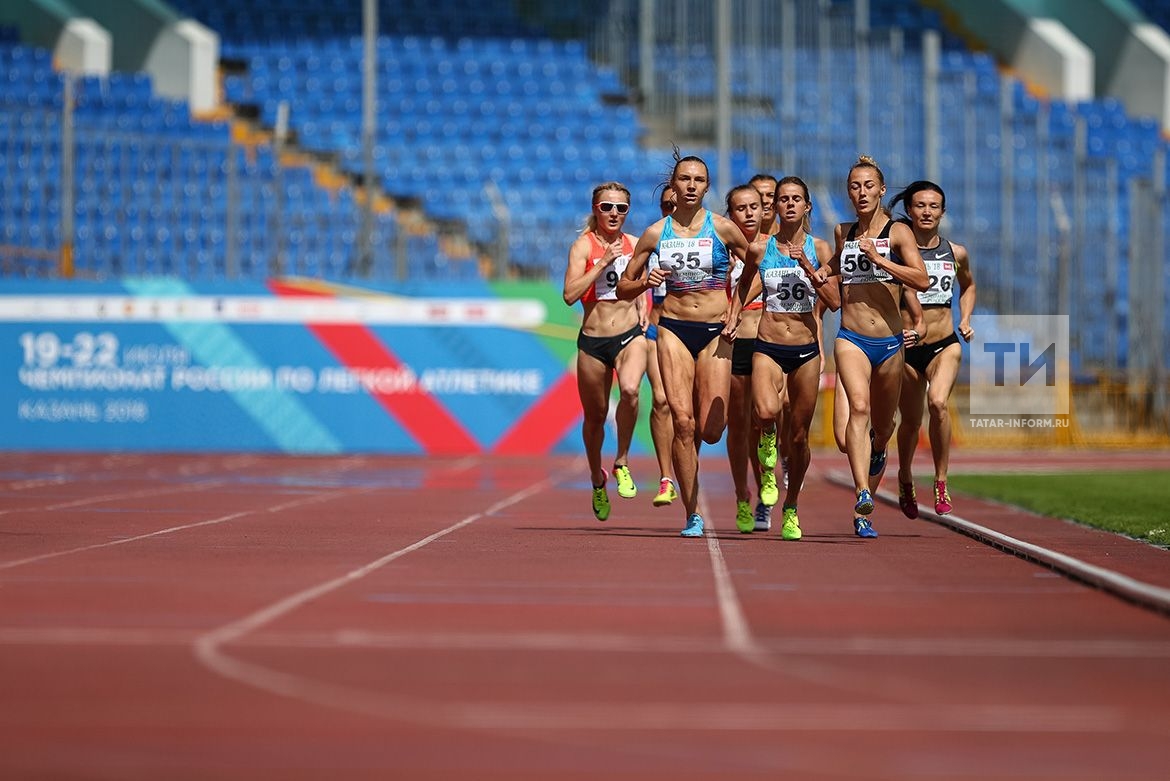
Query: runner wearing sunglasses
<point x="610" y="337"/>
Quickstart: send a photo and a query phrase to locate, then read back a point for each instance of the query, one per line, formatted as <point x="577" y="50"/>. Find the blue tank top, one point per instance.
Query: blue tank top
<point x="693" y="263"/>
<point x="787" y="288"/>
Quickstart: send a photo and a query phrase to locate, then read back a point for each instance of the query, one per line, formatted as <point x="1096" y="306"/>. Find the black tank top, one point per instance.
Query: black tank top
<point x="884" y="234"/>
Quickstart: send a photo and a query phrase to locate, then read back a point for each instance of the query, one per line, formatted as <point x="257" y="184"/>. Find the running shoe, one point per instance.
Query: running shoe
<point x="791" y="528"/>
<point x="744" y="521"/>
<point x="877" y="462"/>
<point x="601" y="498"/>
<point x="784" y="470"/>
<point x="666" y="493"/>
<point x="766" y="450"/>
<point x="694" y="526"/>
<point x="763" y="517"/>
<point x="864" y="504"/>
<point x="908" y="500"/>
<point x="769" y="493"/>
<point x="862" y="528"/>
<point x="942" y="498"/>
<point x="626" y="487"/>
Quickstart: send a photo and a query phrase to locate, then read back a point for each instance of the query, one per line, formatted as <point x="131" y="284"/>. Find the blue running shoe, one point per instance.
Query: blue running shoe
<point x="763" y="517"/>
<point x="864" y="504"/>
<point x="863" y="528"/>
<point x="877" y="462"/>
<point x="694" y="526"/>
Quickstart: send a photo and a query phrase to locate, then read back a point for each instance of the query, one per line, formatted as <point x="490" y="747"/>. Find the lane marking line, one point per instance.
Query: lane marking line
<point x="208" y="647"/>
<point x="140" y="494"/>
<point x="182" y="527"/>
<point x="1123" y="586"/>
<point x="737" y="632"/>
<point x="601" y="642"/>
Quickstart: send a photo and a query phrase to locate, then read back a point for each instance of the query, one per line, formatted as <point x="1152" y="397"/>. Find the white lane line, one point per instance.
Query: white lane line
<point x="772" y="717"/>
<point x="737" y="632"/>
<point x="95" y="636"/>
<point x="140" y="494"/>
<point x="1107" y="580"/>
<point x="592" y="643"/>
<point x="183" y="527"/>
<point x="208" y="648"/>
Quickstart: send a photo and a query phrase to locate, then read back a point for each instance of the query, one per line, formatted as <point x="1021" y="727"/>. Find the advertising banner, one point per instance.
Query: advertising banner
<point x="295" y="366"/>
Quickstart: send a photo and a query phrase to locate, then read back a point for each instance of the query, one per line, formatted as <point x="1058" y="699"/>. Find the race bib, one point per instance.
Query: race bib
<point x="606" y="285"/>
<point x="736" y="275"/>
<point x="942" y="282"/>
<point x="788" y="290"/>
<point x="659" y="292"/>
<point x="689" y="262"/>
<point x="857" y="269"/>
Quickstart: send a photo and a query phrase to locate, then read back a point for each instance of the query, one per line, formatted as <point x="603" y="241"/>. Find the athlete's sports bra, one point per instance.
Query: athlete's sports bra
<point x="693" y="263"/>
<point x="605" y="288"/>
<point x="787" y="288"/>
<point x="857" y="269"/>
<point x="940" y="267"/>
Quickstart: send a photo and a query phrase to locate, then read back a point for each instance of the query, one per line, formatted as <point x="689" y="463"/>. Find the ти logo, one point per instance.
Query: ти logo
<point x="1020" y="365"/>
<point x="1028" y="369"/>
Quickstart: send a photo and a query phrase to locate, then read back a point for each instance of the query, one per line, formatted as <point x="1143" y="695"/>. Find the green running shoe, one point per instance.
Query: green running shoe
<point x="626" y="487"/>
<point x="769" y="493"/>
<point x="791" y="528"/>
<point x="601" y="498"/>
<point x="766" y="450"/>
<point x="744" y="520"/>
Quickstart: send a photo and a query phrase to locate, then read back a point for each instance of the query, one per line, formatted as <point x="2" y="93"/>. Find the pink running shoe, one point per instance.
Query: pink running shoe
<point x="666" y="493"/>
<point x="942" y="498"/>
<point x="907" y="500"/>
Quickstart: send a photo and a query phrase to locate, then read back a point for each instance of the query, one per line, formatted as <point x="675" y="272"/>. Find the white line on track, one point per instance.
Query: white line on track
<point x="183" y="527"/>
<point x="594" y="643"/>
<point x="1109" y="581"/>
<point x="208" y="648"/>
<point x="141" y="494"/>
<point x="737" y="632"/>
<point x="786" y="717"/>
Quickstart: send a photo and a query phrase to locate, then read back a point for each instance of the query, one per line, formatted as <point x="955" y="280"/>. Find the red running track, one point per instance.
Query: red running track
<point x="267" y="617"/>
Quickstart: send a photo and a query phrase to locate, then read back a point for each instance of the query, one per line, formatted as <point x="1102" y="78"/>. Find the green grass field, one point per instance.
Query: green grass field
<point x="1132" y="503"/>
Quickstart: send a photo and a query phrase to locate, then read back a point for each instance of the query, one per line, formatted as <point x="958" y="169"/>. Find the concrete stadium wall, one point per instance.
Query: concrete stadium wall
<point x="181" y="55"/>
<point x="1042" y="50"/>
<point x="1131" y="56"/>
<point x="78" y="44"/>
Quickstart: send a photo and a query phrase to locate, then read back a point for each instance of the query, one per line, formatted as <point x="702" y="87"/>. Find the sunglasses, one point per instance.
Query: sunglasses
<point x="606" y="206"/>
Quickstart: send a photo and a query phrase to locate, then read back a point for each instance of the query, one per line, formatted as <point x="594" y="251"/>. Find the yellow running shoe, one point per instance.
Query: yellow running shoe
<point x="744" y="520"/>
<point x="791" y="528"/>
<point x="601" y="498"/>
<point x="769" y="493"/>
<point x="766" y="450"/>
<point x="666" y="493"/>
<point x="626" y="487"/>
